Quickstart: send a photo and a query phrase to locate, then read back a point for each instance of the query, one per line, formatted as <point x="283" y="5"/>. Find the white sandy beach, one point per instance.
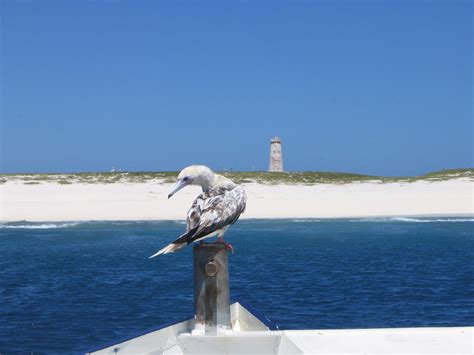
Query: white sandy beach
<point x="148" y="201"/>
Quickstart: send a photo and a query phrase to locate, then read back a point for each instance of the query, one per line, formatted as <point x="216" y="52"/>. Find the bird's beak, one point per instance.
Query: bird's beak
<point x="179" y="185"/>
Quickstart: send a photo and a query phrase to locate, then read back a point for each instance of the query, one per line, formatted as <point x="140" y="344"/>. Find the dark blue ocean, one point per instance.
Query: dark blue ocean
<point x="69" y="287"/>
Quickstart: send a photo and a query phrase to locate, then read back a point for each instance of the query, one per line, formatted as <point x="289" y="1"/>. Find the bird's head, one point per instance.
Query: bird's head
<point x="194" y="175"/>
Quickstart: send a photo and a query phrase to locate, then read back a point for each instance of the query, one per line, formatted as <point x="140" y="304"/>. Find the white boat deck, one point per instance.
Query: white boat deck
<point x="250" y="335"/>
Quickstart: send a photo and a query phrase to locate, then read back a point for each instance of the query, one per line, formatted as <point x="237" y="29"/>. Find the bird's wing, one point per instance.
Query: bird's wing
<point x="194" y="213"/>
<point x="214" y="210"/>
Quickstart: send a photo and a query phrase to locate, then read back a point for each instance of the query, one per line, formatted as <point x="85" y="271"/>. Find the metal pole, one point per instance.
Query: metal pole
<point x="211" y="288"/>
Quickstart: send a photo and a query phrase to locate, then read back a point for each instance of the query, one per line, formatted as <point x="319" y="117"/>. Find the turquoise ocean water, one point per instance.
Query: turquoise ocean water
<point x="68" y="287"/>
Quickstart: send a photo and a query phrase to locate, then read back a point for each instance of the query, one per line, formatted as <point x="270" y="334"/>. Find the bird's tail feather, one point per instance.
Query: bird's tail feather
<point x="170" y="248"/>
<point x="178" y="244"/>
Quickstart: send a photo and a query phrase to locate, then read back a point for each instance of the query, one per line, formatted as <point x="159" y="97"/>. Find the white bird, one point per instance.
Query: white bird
<point x="218" y="206"/>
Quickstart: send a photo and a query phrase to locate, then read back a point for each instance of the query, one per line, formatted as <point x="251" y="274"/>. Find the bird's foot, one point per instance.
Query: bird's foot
<point x="228" y="246"/>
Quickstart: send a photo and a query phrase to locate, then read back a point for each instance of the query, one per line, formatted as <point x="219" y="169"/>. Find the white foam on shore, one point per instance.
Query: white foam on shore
<point x="406" y="219"/>
<point x="38" y="226"/>
<point x="413" y="220"/>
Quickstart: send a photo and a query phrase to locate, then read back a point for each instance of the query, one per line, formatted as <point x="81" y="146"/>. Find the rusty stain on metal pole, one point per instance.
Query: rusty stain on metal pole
<point x="211" y="288"/>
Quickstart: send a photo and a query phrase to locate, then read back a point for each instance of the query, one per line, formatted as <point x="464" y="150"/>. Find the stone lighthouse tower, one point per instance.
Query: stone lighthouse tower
<point x="276" y="157"/>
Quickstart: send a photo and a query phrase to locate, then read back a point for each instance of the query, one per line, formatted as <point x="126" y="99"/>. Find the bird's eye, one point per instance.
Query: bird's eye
<point x="185" y="178"/>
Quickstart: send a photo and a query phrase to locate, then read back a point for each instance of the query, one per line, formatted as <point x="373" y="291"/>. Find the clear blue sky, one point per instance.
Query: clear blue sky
<point x="376" y="87"/>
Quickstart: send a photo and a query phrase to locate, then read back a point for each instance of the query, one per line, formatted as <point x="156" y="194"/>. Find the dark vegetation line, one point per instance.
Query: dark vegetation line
<point x="309" y="177"/>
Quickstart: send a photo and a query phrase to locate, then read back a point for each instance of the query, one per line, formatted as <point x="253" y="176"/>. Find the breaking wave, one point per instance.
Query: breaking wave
<point x="414" y="220"/>
<point x="37" y="225"/>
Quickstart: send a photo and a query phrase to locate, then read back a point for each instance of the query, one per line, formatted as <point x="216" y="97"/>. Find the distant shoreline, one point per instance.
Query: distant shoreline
<point x="129" y="201"/>
<point x="263" y="177"/>
<point x="412" y="218"/>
